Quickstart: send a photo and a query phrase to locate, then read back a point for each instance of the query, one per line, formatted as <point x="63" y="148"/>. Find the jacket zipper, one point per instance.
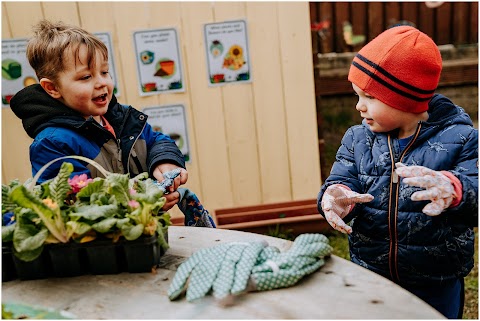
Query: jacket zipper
<point x="134" y="155"/>
<point x="393" y="208"/>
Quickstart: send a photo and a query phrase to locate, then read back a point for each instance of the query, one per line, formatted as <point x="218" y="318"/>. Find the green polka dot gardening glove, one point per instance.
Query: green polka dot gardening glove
<point x="233" y="268"/>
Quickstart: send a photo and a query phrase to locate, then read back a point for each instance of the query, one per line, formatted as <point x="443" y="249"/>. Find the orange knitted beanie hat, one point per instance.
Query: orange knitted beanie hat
<point x="400" y="67"/>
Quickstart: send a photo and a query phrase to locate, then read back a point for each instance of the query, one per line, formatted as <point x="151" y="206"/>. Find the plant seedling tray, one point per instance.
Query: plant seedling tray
<point x="74" y="259"/>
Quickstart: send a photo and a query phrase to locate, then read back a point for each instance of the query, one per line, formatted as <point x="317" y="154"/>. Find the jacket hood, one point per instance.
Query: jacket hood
<point x="442" y="110"/>
<point x="38" y="110"/>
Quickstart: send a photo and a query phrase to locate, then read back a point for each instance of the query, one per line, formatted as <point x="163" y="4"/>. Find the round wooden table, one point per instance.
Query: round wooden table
<point x="338" y="290"/>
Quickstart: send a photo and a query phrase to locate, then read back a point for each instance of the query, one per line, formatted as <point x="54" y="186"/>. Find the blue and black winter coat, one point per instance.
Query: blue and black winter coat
<point x="60" y="131"/>
<point x="391" y="235"/>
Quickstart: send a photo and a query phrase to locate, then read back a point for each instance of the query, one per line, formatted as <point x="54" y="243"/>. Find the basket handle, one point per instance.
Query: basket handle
<point x="82" y="158"/>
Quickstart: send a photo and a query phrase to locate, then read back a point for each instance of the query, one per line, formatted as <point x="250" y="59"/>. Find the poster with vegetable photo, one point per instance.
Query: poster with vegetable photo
<point x="157" y="55"/>
<point x="171" y="120"/>
<point x="16" y="71"/>
<point x="226" y="45"/>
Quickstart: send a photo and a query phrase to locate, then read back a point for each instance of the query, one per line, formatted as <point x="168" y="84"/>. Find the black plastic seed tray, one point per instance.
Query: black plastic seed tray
<point x="74" y="259"/>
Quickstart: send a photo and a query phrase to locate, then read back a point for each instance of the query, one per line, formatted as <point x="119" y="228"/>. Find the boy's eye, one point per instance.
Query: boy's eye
<point x="85" y="77"/>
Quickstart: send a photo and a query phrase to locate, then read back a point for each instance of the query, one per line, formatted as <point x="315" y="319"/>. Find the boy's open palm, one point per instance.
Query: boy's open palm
<point x="438" y="187"/>
<point x="337" y="202"/>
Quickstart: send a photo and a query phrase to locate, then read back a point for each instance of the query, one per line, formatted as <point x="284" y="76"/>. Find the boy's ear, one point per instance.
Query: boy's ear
<point x="50" y="88"/>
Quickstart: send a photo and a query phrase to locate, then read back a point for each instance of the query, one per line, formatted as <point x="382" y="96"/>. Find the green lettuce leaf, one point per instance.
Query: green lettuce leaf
<point x="52" y="219"/>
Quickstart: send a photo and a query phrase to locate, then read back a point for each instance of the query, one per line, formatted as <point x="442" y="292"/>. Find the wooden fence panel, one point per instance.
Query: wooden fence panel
<point x="327" y="15"/>
<point x="410" y="12"/>
<point x="15" y="156"/>
<point x="450" y="23"/>
<point x="300" y="120"/>
<point x="392" y="13"/>
<point x="342" y="14"/>
<point x="268" y="101"/>
<point x="444" y="23"/>
<point x="240" y="127"/>
<point x="473" y="21"/>
<point x="375" y="19"/>
<point x="426" y="23"/>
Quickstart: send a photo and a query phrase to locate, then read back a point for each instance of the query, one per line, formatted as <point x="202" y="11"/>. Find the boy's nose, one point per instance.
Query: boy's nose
<point x="360" y="106"/>
<point x="101" y="82"/>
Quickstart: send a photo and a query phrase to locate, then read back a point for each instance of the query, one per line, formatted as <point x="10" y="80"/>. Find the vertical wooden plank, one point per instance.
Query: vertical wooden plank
<point x="6" y="32"/>
<point x="61" y="11"/>
<point x="207" y="110"/>
<point x="342" y="16"/>
<point x="125" y="26"/>
<point x="460" y="22"/>
<point x="326" y="15"/>
<point x="410" y="12"/>
<point x="359" y="18"/>
<point x="299" y="100"/>
<point x="473" y="22"/>
<point x="92" y="16"/>
<point x="6" y="112"/>
<point x="426" y="23"/>
<point x="392" y="13"/>
<point x="375" y="19"/>
<point x="444" y="24"/>
<point x="313" y="6"/>
<point x="15" y="142"/>
<point x="313" y="12"/>
<point x="170" y="15"/>
<point x="240" y="123"/>
<point x="269" y="101"/>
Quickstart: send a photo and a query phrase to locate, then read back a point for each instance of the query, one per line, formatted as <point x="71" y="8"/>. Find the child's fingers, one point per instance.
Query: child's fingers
<point x="361" y="198"/>
<point x="434" y="208"/>
<point x="425" y="182"/>
<point x="413" y="171"/>
<point x="337" y="223"/>
<point x="183" y="176"/>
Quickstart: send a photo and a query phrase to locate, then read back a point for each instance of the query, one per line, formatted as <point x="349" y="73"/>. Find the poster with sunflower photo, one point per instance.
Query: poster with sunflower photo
<point x="226" y="45"/>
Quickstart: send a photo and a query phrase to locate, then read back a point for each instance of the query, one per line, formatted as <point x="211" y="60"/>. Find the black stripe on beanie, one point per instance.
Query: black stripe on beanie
<point x="393" y="78"/>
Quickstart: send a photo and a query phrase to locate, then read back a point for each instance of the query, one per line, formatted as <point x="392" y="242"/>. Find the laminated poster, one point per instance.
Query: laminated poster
<point x="157" y="55"/>
<point x="171" y="120"/>
<point x="107" y="40"/>
<point x="16" y="71"/>
<point x="226" y="45"/>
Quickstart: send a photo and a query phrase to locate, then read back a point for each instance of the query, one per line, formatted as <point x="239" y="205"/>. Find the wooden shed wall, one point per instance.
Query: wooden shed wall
<point x="252" y="143"/>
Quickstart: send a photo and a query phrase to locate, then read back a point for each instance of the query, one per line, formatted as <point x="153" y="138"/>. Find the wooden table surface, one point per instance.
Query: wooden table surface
<point x="338" y="290"/>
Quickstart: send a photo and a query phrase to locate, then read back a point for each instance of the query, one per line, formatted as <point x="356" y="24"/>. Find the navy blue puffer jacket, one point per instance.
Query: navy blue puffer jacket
<point x="391" y="236"/>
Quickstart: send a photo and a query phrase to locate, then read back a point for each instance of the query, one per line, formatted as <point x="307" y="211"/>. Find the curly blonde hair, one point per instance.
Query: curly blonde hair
<point x="49" y="43"/>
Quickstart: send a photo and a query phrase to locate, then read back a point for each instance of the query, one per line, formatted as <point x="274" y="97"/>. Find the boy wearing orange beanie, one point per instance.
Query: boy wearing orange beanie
<point x="406" y="179"/>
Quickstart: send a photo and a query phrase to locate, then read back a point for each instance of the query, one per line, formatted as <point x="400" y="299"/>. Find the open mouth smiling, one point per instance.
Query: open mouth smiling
<point x="100" y="98"/>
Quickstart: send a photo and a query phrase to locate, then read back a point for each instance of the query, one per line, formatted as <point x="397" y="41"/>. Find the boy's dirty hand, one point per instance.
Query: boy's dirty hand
<point x="338" y="200"/>
<point x="165" y="168"/>
<point x="438" y="187"/>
